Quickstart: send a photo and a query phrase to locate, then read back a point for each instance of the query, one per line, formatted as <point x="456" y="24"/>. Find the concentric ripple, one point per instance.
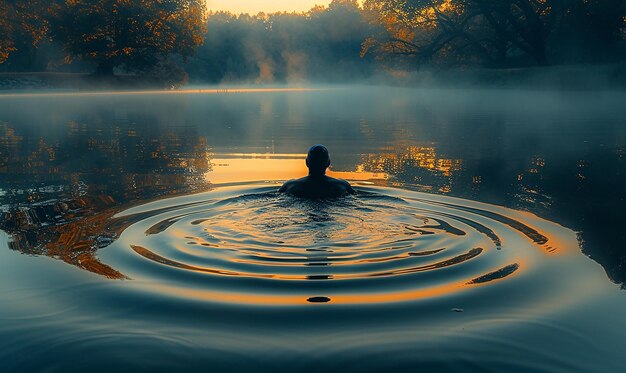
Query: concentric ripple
<point x="252" y="245"/>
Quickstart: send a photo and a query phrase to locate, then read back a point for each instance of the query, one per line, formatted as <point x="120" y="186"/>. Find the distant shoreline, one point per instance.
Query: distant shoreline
<point x="182" y="91"/>
<point x="565" y="77"/>
<point x="74" y="81"/>
<point x="569" y="77"/>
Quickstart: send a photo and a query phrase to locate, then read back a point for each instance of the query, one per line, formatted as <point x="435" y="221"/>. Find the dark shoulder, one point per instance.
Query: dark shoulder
<point x="343" y="185"/>
<point x="285" y="187"/>
<point x="288" y="185"/>
<point x="316" y="187"/>
<point x="348" y="187"/>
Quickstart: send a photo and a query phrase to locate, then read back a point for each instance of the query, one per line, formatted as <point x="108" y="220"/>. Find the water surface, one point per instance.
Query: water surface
<point x="155" y="237"/>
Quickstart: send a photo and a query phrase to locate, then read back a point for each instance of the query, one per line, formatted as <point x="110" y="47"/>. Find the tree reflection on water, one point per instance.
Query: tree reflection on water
<point x="65" y="170"/>
<point x="61" y="195"/>
<point x="587" y="194"/>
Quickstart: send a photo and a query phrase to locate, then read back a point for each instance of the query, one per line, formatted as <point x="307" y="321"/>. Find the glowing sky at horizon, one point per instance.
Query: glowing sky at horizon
<point x="256" y="6"/>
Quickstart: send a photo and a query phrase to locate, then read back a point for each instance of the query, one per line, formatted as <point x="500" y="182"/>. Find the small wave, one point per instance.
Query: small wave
<point x="249" y="244"/>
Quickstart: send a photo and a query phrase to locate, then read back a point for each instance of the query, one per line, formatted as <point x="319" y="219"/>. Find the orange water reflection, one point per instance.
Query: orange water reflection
<point x="199" y="91"/>
<point x="234" y="168"/>
<point x="347" y="298"/>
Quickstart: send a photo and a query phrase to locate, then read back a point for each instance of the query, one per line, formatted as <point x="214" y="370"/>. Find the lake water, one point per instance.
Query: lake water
<point x="142" y="230"/>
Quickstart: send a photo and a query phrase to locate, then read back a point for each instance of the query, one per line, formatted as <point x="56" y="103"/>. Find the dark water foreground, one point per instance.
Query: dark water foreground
<point x="241" y="277"/>
<point x="103" y="269"/>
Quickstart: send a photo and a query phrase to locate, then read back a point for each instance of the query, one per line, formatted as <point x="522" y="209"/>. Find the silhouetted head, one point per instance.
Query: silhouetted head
<point x="317" y="160"/>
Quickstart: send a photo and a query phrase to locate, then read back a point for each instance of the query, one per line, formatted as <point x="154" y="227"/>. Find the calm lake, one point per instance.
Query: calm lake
<point x="143" y="231"/>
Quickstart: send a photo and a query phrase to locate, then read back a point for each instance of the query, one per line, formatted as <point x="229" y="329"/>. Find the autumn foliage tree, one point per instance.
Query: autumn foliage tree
<point x="488" y="32"/>
<point x="135" y="35"/>
<point x="461" y="31"/>
<point x="23" y="25"/>
<point x="6" y="29"/>
<point x="346" y="40"/>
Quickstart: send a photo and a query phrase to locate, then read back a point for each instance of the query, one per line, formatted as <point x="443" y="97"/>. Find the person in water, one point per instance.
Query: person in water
<point x="317" y="184"/>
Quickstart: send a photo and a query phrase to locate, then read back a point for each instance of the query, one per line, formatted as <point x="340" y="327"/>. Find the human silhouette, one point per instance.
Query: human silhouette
<point x="317" y="184"/>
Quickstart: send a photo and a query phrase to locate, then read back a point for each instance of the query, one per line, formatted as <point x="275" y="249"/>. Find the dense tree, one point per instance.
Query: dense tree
<point x="339" y="42"/>
<point x="23" y="25"/>
<point x="321" y="44"/>
<point x="591" y="31"/>
<point x="464" y="31"/>
<point x="412" y="30"/>
<point x="489" y="31"/>
<point x="135" y="35"/>
<point x="6" y="30"/>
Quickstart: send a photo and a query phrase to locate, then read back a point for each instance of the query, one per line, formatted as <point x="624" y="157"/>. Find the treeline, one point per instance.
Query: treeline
<point x="323" y="44"/>
<point x="168" y="39"/>
<point x="498" y="33"/>
<point x="144" y="37"/>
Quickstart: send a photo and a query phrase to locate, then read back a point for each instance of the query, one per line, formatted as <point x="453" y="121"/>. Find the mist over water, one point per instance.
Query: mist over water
<point x="155" y="236"/>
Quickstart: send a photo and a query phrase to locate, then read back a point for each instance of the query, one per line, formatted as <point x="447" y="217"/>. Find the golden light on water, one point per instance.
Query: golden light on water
<point x="199" y="91"/>
<point x="232" y="168"/>
<point x="348" y="298"/>
<point x="228" y="170"/>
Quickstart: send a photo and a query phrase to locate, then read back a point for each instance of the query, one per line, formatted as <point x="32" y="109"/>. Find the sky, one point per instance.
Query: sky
<point x="267" y="6"/>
